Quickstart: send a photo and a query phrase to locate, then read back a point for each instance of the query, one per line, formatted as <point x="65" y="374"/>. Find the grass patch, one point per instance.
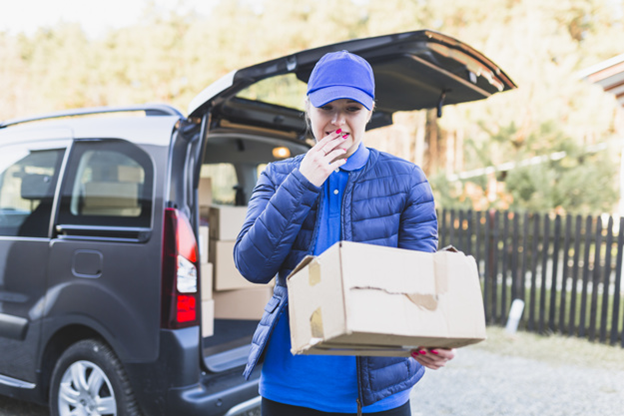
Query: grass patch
<point x="554" y="349"/>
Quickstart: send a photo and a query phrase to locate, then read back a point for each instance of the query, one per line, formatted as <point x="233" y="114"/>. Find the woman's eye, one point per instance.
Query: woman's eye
<point x="354" y="109"/>
<point x="326" y="108"/>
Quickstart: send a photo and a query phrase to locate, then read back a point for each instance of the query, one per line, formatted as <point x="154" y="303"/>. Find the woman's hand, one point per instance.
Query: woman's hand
<point x="324" y="158"/>
<point x="433" y="358"/>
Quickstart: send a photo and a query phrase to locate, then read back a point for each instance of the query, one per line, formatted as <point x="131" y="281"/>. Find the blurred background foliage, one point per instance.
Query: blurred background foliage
<point x="551" y="145"/>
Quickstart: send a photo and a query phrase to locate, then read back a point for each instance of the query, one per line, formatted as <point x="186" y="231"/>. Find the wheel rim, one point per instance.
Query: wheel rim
<point x="85" y="390"/>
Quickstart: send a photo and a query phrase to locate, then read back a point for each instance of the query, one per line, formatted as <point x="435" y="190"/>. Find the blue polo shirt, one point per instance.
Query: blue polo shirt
<point x="322" y="382"/>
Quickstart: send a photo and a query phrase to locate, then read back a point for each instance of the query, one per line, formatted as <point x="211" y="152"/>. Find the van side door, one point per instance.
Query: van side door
<point x="29" y="173"/>
<point x="104" y="267"/>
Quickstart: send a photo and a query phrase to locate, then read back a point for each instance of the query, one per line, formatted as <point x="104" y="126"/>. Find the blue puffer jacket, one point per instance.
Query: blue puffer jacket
<point x="388" y="202"/>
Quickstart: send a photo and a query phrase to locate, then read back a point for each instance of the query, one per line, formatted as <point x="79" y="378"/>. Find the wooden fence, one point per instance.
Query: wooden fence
<point x="567" y="270"/>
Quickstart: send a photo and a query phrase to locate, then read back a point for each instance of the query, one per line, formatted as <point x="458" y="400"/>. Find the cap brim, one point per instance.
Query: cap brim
<point x="324" y="96"/>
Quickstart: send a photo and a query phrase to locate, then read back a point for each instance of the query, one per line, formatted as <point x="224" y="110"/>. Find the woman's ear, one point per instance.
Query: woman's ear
<point x="370" y="114"/>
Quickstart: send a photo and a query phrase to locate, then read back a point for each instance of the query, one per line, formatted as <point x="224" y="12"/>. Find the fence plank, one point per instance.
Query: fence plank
<point x="552" y="308"/>
<point x="504" y="267"/>
<point x="593" y="312"/>
<point x="495" y="257"/>
<point x="478" y="240"/>
<point x="534" y="262"/>
<point x="459" y="241"/>
<point x="587" y="249"/>
<point x="468" y="233"/>
<point x="575" y="275"/>
<point x="443" y="230"/>
<point x="615" y="323"/>
<point x="487" y="244"/>
<point x="452" y="228"/>
<point x="606" y="280"/>
<point x="565" y="269"/>
<point x="543" y="284"/>
<point x="524" y="260"/>
<point x="515" y="244"/>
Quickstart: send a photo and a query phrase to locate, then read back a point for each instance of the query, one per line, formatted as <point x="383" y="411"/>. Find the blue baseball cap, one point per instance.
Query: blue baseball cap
<point x="339" y="75"/>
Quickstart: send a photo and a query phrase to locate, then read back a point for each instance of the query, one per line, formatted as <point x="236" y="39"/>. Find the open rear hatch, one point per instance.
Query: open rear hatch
<point x="250" y="112"/>
<point x="413" y="71"/>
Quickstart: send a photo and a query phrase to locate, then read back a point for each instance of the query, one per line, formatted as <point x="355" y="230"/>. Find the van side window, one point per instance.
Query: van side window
<point x="224" y="182"/>
<point x="108" y="183"/>
<point x="27" y="185"/>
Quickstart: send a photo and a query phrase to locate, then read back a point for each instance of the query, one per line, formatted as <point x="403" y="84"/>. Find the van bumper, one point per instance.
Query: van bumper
<point x="176" y="384"/>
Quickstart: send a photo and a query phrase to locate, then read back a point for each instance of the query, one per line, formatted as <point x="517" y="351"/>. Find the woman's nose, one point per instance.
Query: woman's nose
<point x="338" y="118"/>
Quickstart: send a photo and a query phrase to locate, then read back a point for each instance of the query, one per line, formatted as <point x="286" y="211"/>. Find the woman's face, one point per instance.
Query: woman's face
<point x="348" y="115"/>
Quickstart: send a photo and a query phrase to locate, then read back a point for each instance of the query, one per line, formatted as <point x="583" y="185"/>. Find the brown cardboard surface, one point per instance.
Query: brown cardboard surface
<point x="359" y="299"/>
<point x="129" y="174"/>
<point x="226" y="222"/>
<point x="206" y="270"/>
<point x="226" y="276"/>
<point x="204" y="190"/>
<point x="242" y="303"/>
<point x="207" y="311"/>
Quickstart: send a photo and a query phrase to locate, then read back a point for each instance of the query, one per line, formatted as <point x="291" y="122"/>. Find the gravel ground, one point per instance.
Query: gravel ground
<point x="523" y="375"/>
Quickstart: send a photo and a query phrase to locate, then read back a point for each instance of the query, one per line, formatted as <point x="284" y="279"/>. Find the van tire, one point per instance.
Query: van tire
<point x="95" y="363"/>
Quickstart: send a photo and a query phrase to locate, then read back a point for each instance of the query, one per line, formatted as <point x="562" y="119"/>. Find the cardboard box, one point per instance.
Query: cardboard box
<point x="206" y="271"/>
<point x="204" y="189"/>
<point x="129" y="174"/>
<point x="359" y="299"/>
<point x="226" y="222"/>
<point x="242" y="303"/>
<point x="226" y="275"/>
<point x="203" y="243"/>
<point x="207" y="324"/>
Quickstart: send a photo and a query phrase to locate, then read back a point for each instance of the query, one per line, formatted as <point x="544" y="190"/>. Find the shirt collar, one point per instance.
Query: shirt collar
<point x="357" y="160"/>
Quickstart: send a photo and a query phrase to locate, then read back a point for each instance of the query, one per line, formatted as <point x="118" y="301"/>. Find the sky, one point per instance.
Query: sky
<point x="95" y="16"/>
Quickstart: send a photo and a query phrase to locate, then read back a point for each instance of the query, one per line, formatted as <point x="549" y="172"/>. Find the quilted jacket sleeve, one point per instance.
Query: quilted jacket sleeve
<point x="419" y="223"/>
<point x="274" y="217"/>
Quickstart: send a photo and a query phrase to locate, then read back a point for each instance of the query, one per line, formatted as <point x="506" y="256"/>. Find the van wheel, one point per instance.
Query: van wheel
<point x="89" y="380"/>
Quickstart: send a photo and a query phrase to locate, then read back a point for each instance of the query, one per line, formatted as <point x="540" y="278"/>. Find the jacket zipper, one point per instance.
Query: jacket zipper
<point x="359" y="398"/>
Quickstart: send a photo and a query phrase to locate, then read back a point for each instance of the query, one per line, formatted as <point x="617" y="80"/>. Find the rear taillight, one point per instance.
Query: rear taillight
<point x="179" y="272"/>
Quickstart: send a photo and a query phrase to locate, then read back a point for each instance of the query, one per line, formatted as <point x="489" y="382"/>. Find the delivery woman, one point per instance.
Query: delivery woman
<point x="338" y="190"/>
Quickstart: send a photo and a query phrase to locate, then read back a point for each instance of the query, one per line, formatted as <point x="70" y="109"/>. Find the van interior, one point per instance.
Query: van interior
<point x="233" y="160"/>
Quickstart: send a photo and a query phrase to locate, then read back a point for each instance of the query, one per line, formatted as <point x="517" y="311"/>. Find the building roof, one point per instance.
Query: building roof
<point x="609" y="75"/>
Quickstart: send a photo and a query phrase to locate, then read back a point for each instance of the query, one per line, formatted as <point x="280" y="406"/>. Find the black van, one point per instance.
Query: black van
<point x="99" y="277"/>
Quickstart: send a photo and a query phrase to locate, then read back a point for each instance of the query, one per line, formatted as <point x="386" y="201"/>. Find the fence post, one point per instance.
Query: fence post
<point x="552" y="309"/>
<point x="606" y="272"/>
<point x="575" y="275"/>
<point x="615" y="322"/>
<point x="545" y="249"/>
<point x="595" y="280"/>
<point x="534" y="261"/>
<point x="442" y="236"/>
<point x="583" y="317"/>
<point x="565" y="273"/>
<point x="495" y="236"/>
<point x="504" y="267"/>
<point x="468" y="233"/>
<point x="515" y="241"/>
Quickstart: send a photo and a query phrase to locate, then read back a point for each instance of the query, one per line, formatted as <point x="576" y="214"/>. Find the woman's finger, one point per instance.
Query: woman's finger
<point x="332" y="144"/>
<point x="337" y="163"/>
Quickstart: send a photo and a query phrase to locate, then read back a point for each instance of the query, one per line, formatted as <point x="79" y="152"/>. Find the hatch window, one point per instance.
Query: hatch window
<point x="224" y="182"/>
<point x="283" y="90"/>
